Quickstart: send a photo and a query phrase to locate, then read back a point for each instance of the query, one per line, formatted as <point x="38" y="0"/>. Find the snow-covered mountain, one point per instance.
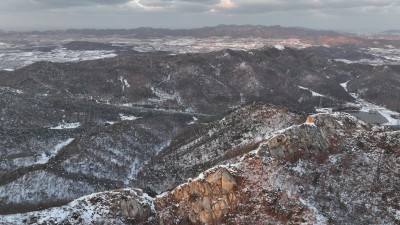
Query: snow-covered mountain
<point x="333" y="169"/>
<point x="152" y="120"/>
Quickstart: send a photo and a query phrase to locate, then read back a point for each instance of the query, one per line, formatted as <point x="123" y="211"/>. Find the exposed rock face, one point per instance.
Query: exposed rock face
<point x="305" y="140"/>
<point x="133" y="208"/>
<point x="201" y="201"/>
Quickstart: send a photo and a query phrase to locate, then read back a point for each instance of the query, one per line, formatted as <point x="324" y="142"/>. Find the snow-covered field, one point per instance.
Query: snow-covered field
<point x="15" y="58"/>
<point x="382" y="56"/>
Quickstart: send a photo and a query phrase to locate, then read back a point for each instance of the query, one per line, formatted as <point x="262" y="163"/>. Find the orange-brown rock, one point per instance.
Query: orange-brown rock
<point x="201" y="200"/>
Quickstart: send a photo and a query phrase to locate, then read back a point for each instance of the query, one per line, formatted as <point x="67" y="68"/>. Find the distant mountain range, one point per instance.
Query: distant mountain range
<point x="235" y="31"/>
<point x="396" y="32"/>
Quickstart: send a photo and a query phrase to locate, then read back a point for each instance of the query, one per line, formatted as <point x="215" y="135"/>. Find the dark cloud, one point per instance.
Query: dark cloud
<point x="267" y="6"/>
<point x="190" y="13"/>
<point x="75" y="3"/>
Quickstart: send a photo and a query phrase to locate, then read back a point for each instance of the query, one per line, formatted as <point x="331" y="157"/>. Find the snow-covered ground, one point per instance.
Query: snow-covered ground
<point x="15" y="58"/>
<point x="315" y="94"/>
<point x="65" y="125"/>
<point x="382" y="56"/>
<point x="46" y="156"/>
<point x="91" y="209"/>
<point x="128" y="117"/>
<point x="371" y="108"/>
<point x="344" y="85"/>
<point x="279" y="47"/>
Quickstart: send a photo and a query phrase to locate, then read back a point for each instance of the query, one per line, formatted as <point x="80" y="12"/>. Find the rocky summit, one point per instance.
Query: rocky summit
<point x="331" y="169"/>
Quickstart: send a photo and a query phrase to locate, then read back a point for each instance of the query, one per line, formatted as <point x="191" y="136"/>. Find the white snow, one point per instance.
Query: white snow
<point x="279" y="47"/>
<point x="146" y="199"/>
<point x="395" y="212"/>
<point x="164" y="95"/>
<point x="320" y="219"/>
<point x="382" y="56"/>
<point x="201" y="176"/>
<point x="45" y="157"/>
<point x="387" y="113"/>
<point x="315" y="94"/>
<point x="324" y="110"/>
<point x="369" y="107"/>
<point x="298" y="168"/>
<point x="64" y="125"/>
<point x="124" y="82"/>
<point x="194" y="121"/>
<point x="128" y="117"/>
<point x="8" y="69"/>
<point x="15" y="58"/>
<point x="89" y="212"/>
<point x="243" y="66"/>
<point x="8" y="89"/>
<point x="133" y="170"/>
<point x="344" y="85"/>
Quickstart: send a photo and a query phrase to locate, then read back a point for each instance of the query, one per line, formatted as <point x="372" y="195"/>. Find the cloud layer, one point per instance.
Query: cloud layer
<point x="311" y="13"/>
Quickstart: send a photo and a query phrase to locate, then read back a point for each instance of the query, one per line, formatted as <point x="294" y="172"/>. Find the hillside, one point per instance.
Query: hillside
<point x="333" y="169"/>
<point x="153" y="120"/>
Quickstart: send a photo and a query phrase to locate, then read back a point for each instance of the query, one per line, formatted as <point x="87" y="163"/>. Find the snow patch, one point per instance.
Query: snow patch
<point x="315" y="94"/>
<point x="320" y="219"/>
<point x="324" y="110"/>
<point x="7" y="69"/>
<point x="124" y="82"/>
<point x="164" y="96"/>
<point x="15" y="58"/>
<point x="344" y="85"/>
<point x="194" y="120"/>
<point x="46" y="157"/>
<point x="279" y="47"/>
<point x="128" y="117"/>
<point x="298" y="168"/>
<point x="8" y="89"/>
<point x="133" y="170"/>
<point x="64" y="125"/>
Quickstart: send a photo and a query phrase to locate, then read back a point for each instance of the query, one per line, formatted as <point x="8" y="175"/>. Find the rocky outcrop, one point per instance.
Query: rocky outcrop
<point x="306" y="140"/>
<point x="123" y="206"/>
<point x="204" y="200"/>
<point x="204" y="146"/>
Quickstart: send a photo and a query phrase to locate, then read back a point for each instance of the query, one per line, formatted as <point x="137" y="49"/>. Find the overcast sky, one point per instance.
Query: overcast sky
<point x="345" y="15"/>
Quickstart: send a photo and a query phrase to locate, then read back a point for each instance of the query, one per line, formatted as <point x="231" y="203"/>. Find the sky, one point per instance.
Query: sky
<point x="339" y="15"/>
